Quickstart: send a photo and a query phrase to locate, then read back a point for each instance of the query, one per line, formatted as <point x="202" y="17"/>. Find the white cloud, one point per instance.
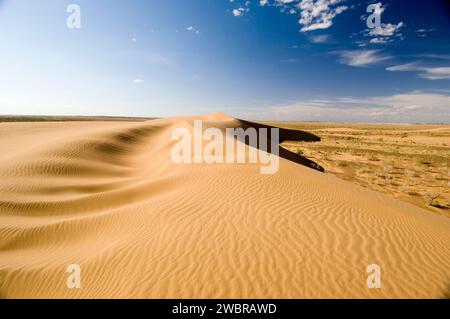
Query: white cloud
<point x="192" y="29"/>
<point x="424" y="30"/>
<point x="440" y="73"/>
<point x="434" y="56"/>
<point x="318" y="14"/>
<point x="429" y="73"/>
<point x="314" y="14"/>
<point x="379" y="40"/>
<point x="138" y="81"/>
<point x="386" y="30"/>
<point x="322" y="38"/>
<point x="403" y="67"/>
<point x="238" y="12"/>
<point x="413" y="107"/>
<point x="361" y="58"/>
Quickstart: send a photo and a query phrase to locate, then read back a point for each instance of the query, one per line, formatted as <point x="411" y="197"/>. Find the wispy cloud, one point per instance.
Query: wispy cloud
<point x="423" y="32"/>
<point x="410" y="107"/>
<point x="439" y="73"/>
<point x="362" y="58"/>
<point x="429" y="73"/>
<point x="290" y="61"/>
<point x="404" y="67"/>
<point x="434" y="56"/>
<point x="148" y="57"/>
<point x="322" y="38"/>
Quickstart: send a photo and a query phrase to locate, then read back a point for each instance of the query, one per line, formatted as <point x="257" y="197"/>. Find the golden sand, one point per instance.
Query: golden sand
<point x="106" y="196"/>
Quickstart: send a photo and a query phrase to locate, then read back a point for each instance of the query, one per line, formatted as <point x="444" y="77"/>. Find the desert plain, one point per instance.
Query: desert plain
<point x="407" y="161"/>
<point x="105" y="195"/>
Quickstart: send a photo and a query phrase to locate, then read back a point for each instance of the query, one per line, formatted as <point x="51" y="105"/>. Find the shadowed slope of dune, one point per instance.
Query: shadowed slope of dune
<point x="107" y="196"/>
<point x="289" y="135"/>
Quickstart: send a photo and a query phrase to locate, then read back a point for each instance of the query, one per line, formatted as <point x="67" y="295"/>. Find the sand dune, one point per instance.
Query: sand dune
<point x="106" y="196"/>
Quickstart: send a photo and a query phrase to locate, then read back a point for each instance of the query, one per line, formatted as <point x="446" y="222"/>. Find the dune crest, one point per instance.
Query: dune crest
<point x="107" y="197"/>
<point x="218" y="116"/>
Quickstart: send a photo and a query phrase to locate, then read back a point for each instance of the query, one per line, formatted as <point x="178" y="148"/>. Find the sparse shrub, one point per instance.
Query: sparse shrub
<point x="425" y="161"/>
<point x="431" y="199"/>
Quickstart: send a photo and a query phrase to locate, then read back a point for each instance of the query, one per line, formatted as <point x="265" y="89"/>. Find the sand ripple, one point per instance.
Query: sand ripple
<point x="107" y="197"/>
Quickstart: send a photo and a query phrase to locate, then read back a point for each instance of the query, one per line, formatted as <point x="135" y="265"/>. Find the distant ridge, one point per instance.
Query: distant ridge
<point x="69" y="118"/>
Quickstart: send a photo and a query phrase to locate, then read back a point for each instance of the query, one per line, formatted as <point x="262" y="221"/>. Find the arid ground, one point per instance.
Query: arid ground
<point x="106" y="196"/>
<point x="408" y="162"/>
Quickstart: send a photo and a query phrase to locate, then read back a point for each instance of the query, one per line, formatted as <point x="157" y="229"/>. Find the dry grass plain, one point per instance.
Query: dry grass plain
<point x="408" y="162"/>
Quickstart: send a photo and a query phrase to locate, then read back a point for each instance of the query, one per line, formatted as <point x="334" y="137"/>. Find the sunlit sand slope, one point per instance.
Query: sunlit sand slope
<point x="107" y="196"/>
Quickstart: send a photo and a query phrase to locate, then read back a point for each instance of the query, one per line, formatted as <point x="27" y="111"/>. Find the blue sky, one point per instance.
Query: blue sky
<point x="269" y="60"/>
